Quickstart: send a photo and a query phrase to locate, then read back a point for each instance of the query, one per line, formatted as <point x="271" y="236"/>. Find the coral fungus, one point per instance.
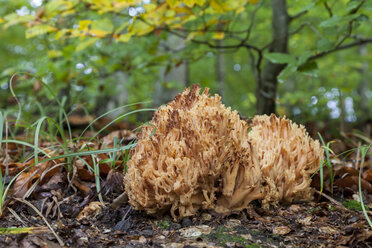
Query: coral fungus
<point x="197" y="154"/>
<point x="287" y="157"/>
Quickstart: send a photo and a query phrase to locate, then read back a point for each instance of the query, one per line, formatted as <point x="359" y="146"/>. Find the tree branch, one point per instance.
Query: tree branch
<point x="352" y="44"/>
<point x="211" y="45"/>
<point x="298" y="15"/>
<point x="328" y="9"/>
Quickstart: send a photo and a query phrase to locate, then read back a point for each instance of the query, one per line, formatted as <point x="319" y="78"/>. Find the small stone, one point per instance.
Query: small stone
<point x="196" y="231"/>
<point x="186" y="222"/>
<point x="148" y="233"/>
<point x="175" y="226"/>
<point x="206" y="217"/>
<point x="142" y="240"/>
<point x="233" y="222"/>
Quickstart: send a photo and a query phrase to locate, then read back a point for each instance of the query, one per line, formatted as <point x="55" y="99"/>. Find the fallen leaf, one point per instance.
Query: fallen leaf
<point x="352" y="182"/>
<point x="82" y="186"/>
<point x="306" y="221"/>
<point x="367" y="175"/>
<point x="90" y="211"/>
<point x="281" y="230"/>
<point x="328" y="230"/>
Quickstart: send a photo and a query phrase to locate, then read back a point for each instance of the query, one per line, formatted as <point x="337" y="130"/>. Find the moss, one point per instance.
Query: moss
<point x="164" y="224"/>
<point x="331" y="207"/>
<point x="354" y="205"/>
<point x="222" y="236"/>
<point x="309" y="211"/>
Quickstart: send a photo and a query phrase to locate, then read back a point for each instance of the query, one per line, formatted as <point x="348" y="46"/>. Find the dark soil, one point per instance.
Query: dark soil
<point x="314" y="224"/>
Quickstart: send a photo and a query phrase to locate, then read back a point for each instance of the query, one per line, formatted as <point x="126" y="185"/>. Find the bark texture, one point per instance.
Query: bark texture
<point x="267" y="85"/>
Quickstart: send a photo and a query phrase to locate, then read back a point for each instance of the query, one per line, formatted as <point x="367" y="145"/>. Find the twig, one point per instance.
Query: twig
<point x="328" y="9"/>
<point x="61" y="243"/>
<point x="352" y="44"/>
<point x="332" y="200"/>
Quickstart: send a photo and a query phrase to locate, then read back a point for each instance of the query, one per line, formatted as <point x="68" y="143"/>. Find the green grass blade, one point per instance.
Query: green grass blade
<point x="109" y="112"/>
<point x="364" y="151"/>
<point x="36" y="139"/>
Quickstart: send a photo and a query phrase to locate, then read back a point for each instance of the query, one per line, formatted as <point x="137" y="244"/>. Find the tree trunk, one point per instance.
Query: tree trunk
<point x="173" y="79"/>
<point x="188" y="82"/>
<point x="268" y="81"/>
<point x="363" y="86"/>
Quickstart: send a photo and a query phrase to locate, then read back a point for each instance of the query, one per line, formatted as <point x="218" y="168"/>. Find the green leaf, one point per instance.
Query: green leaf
<point x="280" y="58"/>
<point x="103" y="25"/>
<point x="367" y="5"/>
<point x="124" y="37"/>
<point x="39" y="30"/>
<point x="324" y="45"/>
<point x="337" y="20"/>
<point x="85" y="44"/>
<point x="309" y="6"/>
<point x="288" y="70"/>
<point x="352" y="5"/>
<point x="310" y="68"/>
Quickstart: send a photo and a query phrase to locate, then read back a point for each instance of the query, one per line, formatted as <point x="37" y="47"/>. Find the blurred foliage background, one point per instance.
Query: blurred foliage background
<point x="309" y="59"/>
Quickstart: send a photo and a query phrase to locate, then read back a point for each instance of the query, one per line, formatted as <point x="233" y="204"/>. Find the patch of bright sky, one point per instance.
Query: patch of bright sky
<point x="4" y="86"/>
<point x="314" y="100"/>
<point x="28" y="66"/>
<point x="237" y="67"/>
<point x="296" y="111"/>
<point x="349" y="109"/>
<point x="335" y="111"/>
<point x="80" y="66"/>
<point x="88" y="70"/>
<point x="36" y="3"/>
<point x="314" y="111"/>
<point x="18" y="50"/>
<point x="23" y="11"/>
<point x="210" y="54"/>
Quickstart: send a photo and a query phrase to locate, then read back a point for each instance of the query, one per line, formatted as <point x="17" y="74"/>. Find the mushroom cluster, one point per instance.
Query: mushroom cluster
<point x="287" y="157"/>
<point x="197" y="154"/>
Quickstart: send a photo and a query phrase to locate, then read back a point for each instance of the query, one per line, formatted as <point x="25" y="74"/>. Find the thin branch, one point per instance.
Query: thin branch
<point x="352" y="44"/>
<point x="211" y="45"/>
<point x="328" y="9"/>
<point x="310" y="26"/>
<point x="298" y="15"/>
<point x="253" y="18"/>
<point x="350" y="26"/>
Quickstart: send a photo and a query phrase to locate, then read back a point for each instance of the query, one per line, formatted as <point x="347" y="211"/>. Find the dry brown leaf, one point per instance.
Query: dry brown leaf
<point x="82" y="172"/>
<point x="346" y="171"/>
<point x="82" y="186"/>
<point x="13" y="168"/>
<point x="352" y="182"/>
<point x="28" y="177"/>
<point x="367" y="175"/>
<point x="307" y="221"/>
<point x="281" y="230"/>
<point x="126" y="135"/>
<point x="89" y="211"/>
<point x="328" y="230"/>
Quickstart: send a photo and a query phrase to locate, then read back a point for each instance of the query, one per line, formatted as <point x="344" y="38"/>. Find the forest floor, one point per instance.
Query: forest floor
<point x="314" y="224"/>
<point x="63" y="210"/>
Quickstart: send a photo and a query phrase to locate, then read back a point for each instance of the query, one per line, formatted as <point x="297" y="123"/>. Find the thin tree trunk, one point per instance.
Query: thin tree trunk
<point x="267" y="83"/>
<point x="187" y="73"/>
<point x="363" y="86"/>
